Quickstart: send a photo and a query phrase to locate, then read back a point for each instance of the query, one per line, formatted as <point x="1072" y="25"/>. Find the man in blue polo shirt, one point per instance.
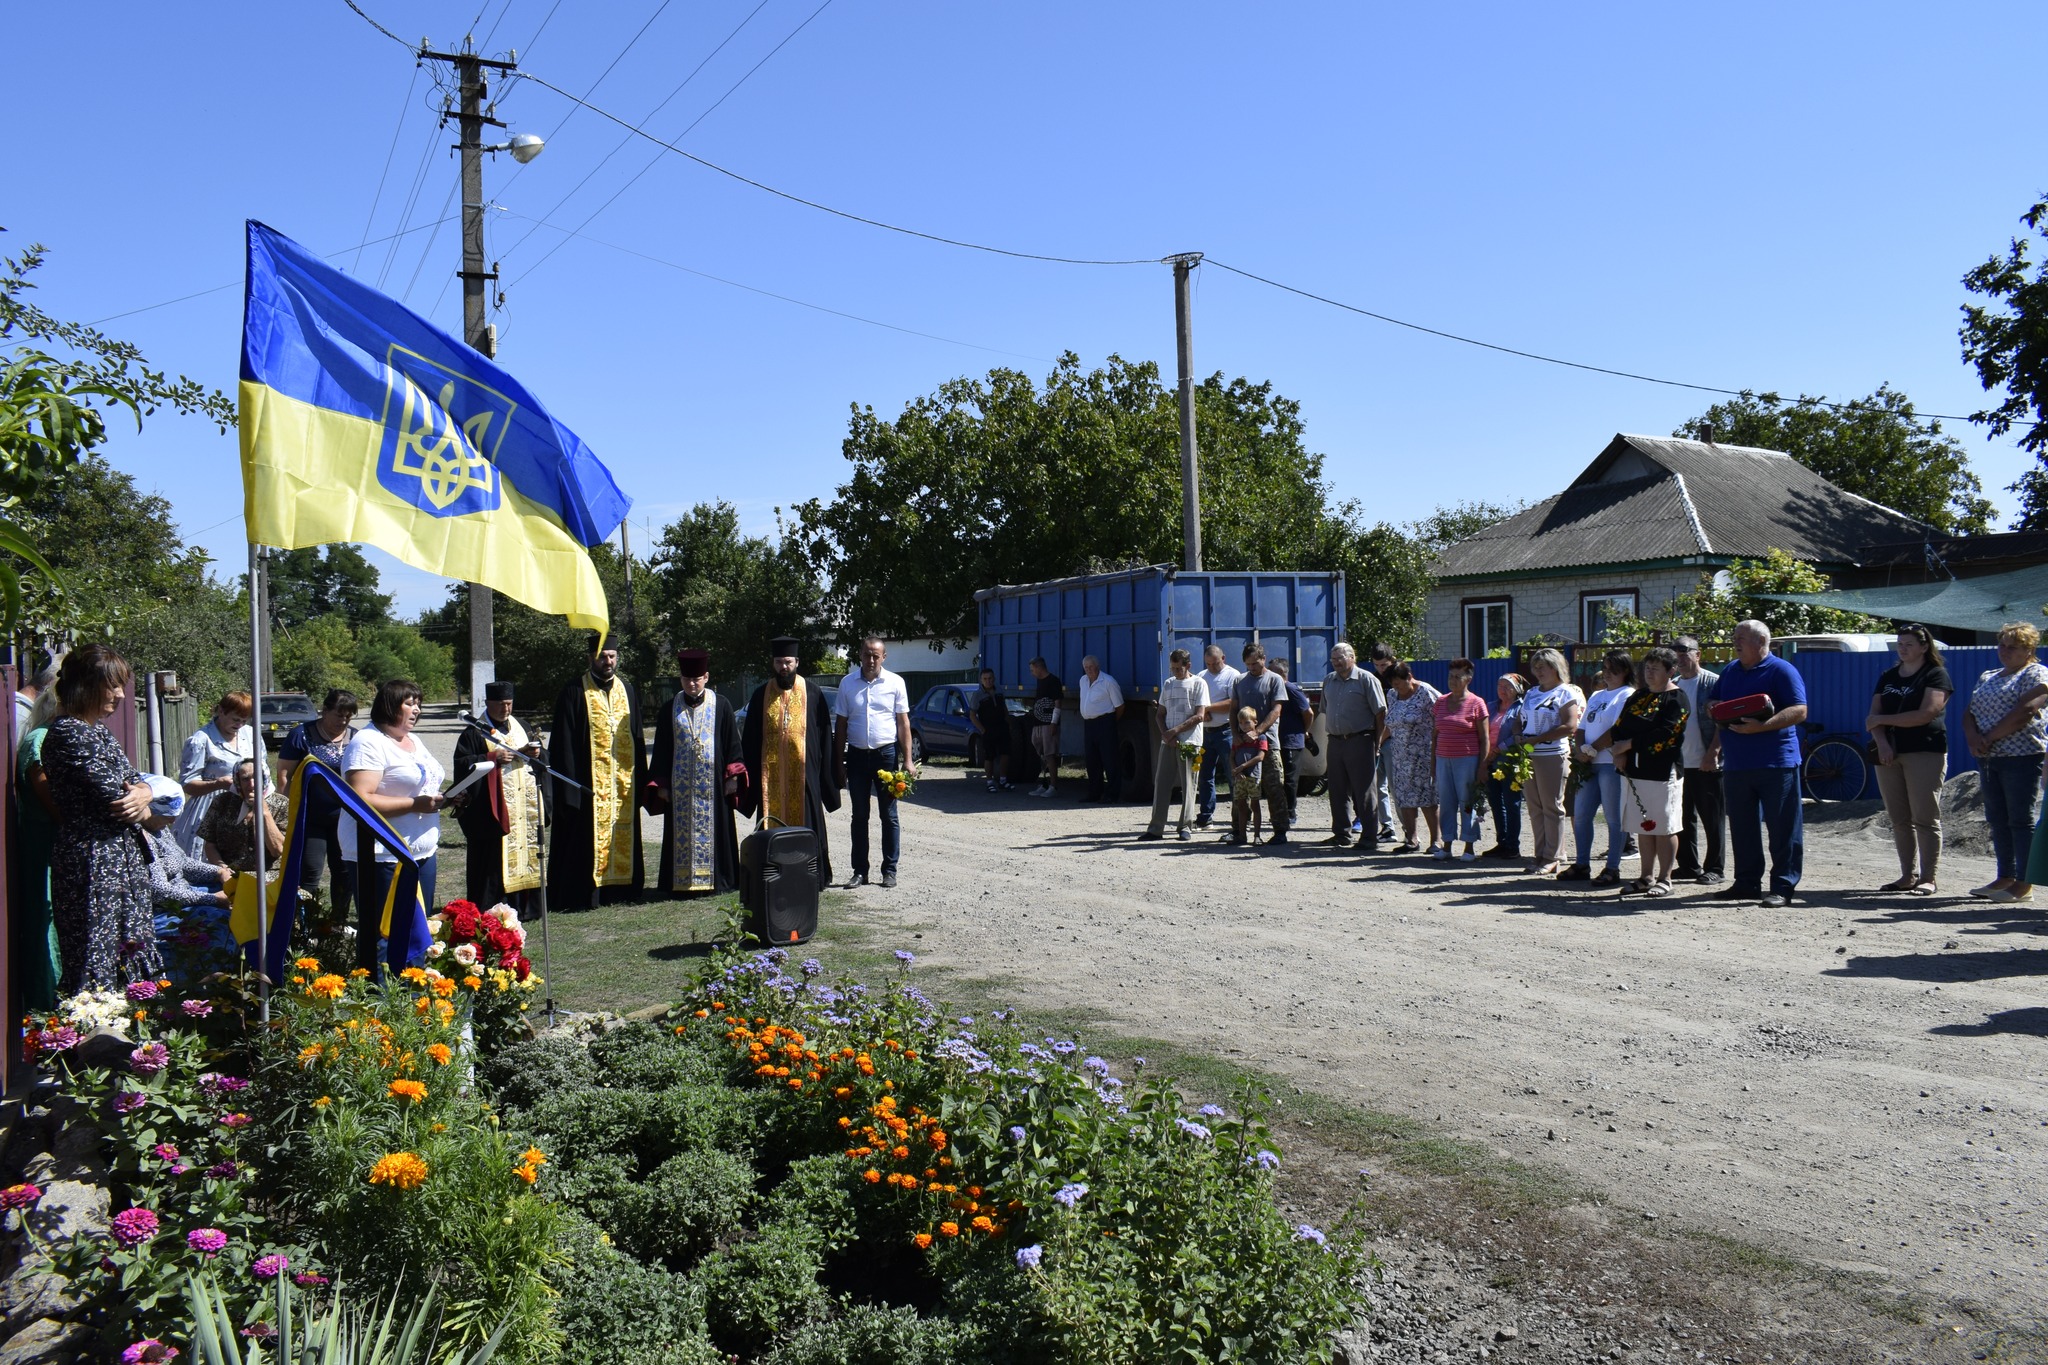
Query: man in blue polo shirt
<point x="1760" y="769"/>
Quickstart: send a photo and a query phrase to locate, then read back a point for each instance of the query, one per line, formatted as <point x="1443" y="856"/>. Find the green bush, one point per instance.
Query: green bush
<point x="614" y="1309"/>
<point x="642" y="1057"/>
<point x="521" y="1075"/>
<point x="760" y="1288"/>
<point x="863" y="1334"/>
<point x="691" y="1203"/>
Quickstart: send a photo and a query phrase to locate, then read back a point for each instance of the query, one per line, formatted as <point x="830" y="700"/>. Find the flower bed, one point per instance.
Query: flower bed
<point x="783" y="1171"/>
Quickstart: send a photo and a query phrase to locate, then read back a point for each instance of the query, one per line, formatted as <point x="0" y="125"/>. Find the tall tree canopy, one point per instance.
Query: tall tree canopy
<point x="2006" y="339"/>
<point x="1873" y="447"/>
<point x="714" y="588"/>
<point x="1000" y="480"/>
<point x="326" y="580"/>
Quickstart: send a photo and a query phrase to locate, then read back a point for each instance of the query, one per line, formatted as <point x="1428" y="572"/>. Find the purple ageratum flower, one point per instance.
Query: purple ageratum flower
<point x="1096" y="1065"/>
<point x="139" y="991"/>
<point x="778" y="956"/>
<point x="1016" y="1134"/>
<point x="208" y="1242"/>
<point x="1065" y="1049"/>
<point x="196" y="1009"/>
<point x="1264" y="1160"/>
<point x="811" y="966"/>
<point x="133" y="1227"/>
<point x="148" y="1351"/>
<point x="965" y="1021"/>
<point x="149" y="1059"/>
<point x="1138" y="1063"/>
<point x="1069" y="1195"/>
<point x="1029" y="1257"/>
<point x="1305" y="1233"/>
<point x="1191" y="1128"/>
<point x="1211" y="1111"/>
<point x="271" y="1266"/>
<point x="128" y="1101"/>
<point x="905" y="957"/>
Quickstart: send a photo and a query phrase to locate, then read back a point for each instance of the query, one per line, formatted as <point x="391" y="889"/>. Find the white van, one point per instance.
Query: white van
<point x="1872" y="643"/>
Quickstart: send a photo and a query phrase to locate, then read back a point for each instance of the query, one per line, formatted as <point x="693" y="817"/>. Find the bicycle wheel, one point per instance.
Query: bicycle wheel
<point x="1836" y="771"/>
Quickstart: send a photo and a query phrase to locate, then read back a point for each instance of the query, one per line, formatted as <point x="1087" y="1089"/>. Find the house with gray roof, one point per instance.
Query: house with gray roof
<point x="1642" y="524"/>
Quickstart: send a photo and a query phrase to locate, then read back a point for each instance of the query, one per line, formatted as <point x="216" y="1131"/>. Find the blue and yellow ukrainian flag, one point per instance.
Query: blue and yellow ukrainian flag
<point x="362" y="421"/>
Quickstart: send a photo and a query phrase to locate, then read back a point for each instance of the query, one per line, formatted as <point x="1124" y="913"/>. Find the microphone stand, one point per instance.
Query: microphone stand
<point x="539" y="766"/>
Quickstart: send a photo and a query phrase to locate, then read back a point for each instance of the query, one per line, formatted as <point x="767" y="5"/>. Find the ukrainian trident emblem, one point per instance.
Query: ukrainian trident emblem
<point x="442" y="430"/>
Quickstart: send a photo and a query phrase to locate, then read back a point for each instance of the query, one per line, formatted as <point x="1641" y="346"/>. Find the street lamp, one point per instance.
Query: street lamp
<point x="523" y="146"/>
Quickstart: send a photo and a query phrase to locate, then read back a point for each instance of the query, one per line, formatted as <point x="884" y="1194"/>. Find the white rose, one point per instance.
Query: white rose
<point x="465" y="953"/>
<point x="436" y="949"/>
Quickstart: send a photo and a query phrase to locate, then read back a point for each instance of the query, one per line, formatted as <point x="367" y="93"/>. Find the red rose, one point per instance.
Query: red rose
<point x="502" y="940"/>
<point x="518" y="966"/>
<point x="463" y="920"/>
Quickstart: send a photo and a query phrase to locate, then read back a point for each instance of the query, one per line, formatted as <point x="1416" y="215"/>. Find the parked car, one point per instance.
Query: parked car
<point x="939" y="722"/>
<point x="284" y="710"/>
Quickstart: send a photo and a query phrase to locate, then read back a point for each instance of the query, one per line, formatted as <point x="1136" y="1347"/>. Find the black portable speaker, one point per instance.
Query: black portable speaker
<point x="779" y="884"/>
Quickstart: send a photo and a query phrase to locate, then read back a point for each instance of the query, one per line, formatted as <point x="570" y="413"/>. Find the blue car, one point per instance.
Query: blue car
<point x="939" y="722"/>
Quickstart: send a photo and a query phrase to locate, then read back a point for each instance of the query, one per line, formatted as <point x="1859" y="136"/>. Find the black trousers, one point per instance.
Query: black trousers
<point x="1704" y="809"/>
<point x="1098" y="745"/>
<point x="323" y="852"/>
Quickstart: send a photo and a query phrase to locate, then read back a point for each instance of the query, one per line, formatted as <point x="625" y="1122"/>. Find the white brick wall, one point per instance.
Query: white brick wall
<point x="1547" y="605"/>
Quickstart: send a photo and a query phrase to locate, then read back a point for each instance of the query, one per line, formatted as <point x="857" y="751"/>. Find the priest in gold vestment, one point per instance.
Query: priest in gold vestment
<point x="500" y="816"/>
<point x="594" y="856"/>
<point x="787" y="746"/>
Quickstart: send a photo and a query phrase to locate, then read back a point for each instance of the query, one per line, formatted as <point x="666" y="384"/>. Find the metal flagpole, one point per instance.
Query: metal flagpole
<point x="256" y="613"/>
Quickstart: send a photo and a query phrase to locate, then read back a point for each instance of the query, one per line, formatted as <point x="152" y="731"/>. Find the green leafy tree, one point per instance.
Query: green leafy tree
<point x="713" y="588"/>
<point x="1873" y="447"/>
<point x="1001" y="480"/>
<point x="1709" y="612"/>
<point x="324" y="580"/>
<point x="318" y="655"/>
<point x="51" y="414"/>
<point x="1389" y="570"/>
<point x="2006" y="339"/>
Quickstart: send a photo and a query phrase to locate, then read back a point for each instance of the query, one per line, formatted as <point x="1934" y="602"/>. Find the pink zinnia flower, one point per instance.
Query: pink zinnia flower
<point x="306" y="1279"/>
<point x="20" y="1196"/>
<point x="235" y="1120"/>
<point x="207" y="1241"/>
<point x="196" y="1009"/>
<point x="163" y="1151"/>
<point x="148" y="1351"/>
<point x="128" y="1101"/>
<point x="133" y="1227"/>
<point x="270" y="1267"/>
<point x="139" y="991"/>
<point x="149" y="1059"/>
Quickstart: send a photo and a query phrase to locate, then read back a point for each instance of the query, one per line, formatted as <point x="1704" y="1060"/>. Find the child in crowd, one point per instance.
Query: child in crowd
<point x="1248" y="754"/>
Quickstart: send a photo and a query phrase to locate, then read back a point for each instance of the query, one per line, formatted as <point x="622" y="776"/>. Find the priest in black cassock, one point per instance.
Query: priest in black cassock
<point x="594" y="857"/>
<point x="691" y="781"/>
<point x="500" y="815"/>
<point x="787" y="744"/>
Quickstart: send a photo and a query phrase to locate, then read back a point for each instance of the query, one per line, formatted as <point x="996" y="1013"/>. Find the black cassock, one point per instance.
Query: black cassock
<point x="725" y="747"/>
<point x="821" y="793"/>
<point x="478" y="816"/>
<point x="572" y="852"/>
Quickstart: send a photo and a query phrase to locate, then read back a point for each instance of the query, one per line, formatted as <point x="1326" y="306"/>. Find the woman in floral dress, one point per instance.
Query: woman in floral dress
<point x="99" y="885"/>
<point x="1411" y="752"/>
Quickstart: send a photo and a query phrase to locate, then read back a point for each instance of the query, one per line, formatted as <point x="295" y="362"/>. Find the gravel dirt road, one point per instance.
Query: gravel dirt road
<point x="1856" y="1081"/>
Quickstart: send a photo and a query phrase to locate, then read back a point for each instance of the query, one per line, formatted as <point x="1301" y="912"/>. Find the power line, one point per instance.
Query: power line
<point x="543" y="26"/>
<point x="432" y="237"/>
<point x="404" y="109"/>
<point x="591" y="88"/>
<point x="328" y="255"/>
<point x="1546" y="359"/>
<point x="412" y="196"/>
<point x="769" y="293"/>
<point x="628" y="138"/>
<point x="652" y="161"/>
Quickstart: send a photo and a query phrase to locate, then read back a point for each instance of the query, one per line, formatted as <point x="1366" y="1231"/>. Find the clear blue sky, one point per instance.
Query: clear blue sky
<point x="1769" y="196"/>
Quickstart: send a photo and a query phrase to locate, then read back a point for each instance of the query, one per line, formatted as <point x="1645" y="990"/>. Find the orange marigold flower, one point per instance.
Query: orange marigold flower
<point x="899" y="1152"/>
<point x="909" y="1054"/>
<point x="923" y="1240"/>
<point x="703" y="1014"/>
<point x="872" y="1176"/>
<point x="360" y="972"/>
<point x="526" y="1173"/>
<point x="444" y="987"/>
<point x="441" y="1053"/>
<point x="984" y="1224"/>
<point x="400" y="1170"/>
<point x="323" y="1101"/>
<point x="796" y="1082"/>
<point x="950" y="1228"/>
<point x="413" y="974"/>
<point x="937" y="1139"/>
<point x="328" y="987"/>
<point x="910" y="1182"/>
<point x="310" y="1054"/>
<point x="411" y="1090"/>
<point x="845" y="1122"/>
<point x="472" y="982"/>
<point x="307" y="964"/>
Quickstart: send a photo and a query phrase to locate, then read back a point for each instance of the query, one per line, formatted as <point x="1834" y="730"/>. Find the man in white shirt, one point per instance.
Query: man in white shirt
<point x="1102" y="703"/>
<point x="872" y="728"/>
<point x="1218" y="678"/>
<point x="1183" y="706"/>
<point x="1702" y="804"/>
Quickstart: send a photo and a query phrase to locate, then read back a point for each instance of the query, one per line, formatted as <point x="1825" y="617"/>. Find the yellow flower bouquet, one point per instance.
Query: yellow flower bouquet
<point x="898" y="784"/>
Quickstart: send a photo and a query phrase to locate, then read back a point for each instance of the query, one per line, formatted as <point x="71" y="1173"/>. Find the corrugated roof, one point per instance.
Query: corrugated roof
<point x="1653" y="498"/>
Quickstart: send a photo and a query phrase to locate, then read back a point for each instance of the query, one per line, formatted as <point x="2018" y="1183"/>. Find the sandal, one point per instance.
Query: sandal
<point x="1659" y="888"/>
<point x="1902" y="884"/>
<point x="1410" y="847"/>
<point x="1641" y="885"/>
<point x="1926" y="888"/>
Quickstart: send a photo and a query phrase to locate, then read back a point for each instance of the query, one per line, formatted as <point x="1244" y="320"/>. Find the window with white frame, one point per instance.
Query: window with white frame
<point x="1598" y="611"/>
<point x="1486" y="627"/>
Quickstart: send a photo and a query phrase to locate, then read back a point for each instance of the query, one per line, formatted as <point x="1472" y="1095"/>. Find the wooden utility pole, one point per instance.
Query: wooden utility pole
<point x="471" y="86"/>
<point x="1184" y="352"/>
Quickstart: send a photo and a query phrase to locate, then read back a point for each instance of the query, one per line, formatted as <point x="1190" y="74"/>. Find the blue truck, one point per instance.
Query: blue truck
<point x="1131" y="620"/>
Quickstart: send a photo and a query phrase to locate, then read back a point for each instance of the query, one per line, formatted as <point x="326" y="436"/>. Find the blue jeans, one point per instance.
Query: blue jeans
<point x="1215" y="756"/>
<point x="2012" y="799"/>
<point x="1507" y="815"/>
<point x="1454" y="778"/>
<point x="1760" y="801"/>
<point x="1601" y="794"/>
<point x="861" y="767"/>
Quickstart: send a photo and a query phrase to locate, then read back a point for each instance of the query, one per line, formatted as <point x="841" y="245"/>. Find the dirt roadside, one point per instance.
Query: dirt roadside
<point x="1854" y="1083"/>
